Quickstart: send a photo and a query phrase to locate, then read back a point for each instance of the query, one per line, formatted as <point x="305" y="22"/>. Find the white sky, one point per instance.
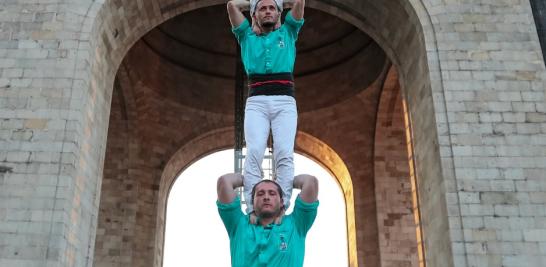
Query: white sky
<point x="195" y="235"/>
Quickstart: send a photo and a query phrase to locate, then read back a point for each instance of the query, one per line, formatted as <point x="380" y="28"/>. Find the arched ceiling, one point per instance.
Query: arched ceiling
<point x="191" y="59"/>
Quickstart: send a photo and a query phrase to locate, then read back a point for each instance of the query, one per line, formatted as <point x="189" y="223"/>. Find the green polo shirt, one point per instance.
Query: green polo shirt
<point x="252" y="245"/>
<point x="274" y="52"/>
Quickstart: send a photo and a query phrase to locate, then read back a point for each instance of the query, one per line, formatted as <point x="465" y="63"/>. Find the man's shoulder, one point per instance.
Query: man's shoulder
<point x="288" y="223"/>
<point x="301" y="204"/>
<point x="242" y="29"/>
<point x="289" y="18"/>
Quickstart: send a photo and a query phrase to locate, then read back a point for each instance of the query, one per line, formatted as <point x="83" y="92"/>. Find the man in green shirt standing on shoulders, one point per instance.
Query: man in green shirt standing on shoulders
<point x="276" y="240"/>
<point x="268" y="52"/>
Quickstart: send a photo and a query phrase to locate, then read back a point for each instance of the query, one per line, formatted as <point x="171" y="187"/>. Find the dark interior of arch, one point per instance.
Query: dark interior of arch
<point x="191" y="60"/>
<point x="539" y="12"/>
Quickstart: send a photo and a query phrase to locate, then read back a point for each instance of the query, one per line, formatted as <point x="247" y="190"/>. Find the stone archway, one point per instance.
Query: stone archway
<point x="479" y="170"/>
<point x="223" y="138"/>
<point x="398" y="209"/>
<point x="328" y="158"/>
<point x="196" y="149"/>
<point x="115" y="38"/>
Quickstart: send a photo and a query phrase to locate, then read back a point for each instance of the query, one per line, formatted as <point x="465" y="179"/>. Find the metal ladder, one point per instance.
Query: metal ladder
<point x="268" y="167"/>
<point x="268" y="164"/>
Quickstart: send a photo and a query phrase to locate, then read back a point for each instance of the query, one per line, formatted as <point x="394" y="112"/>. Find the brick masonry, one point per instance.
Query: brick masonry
<point x="397" y="216"/>
<point x="472" y="75"/>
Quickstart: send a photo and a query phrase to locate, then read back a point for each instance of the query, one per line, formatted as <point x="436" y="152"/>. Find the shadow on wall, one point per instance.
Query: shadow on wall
<point x="539" y="12"/>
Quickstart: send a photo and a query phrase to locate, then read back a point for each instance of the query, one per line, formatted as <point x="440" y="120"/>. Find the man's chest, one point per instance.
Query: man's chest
<point x="270" y="44"/>
<point x="269" y="241"/>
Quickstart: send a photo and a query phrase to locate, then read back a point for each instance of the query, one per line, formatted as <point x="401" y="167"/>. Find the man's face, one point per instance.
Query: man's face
<point x="267" y="201"/>
<point x="267" y="13"/>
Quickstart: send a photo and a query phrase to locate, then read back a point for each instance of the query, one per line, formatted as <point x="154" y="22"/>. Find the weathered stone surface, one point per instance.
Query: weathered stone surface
<point x="82" y="154"/>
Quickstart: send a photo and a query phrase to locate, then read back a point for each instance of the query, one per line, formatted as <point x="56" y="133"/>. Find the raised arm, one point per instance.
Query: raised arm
<point x="297" y="8"/>
<point x="309" y="187"/>
<point x="235" y="11"/>
<point x="226" y="185"/>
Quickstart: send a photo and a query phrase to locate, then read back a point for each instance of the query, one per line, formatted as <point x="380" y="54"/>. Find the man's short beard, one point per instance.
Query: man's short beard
<point x="268" y="24"/>
<point x="267" y="215"/>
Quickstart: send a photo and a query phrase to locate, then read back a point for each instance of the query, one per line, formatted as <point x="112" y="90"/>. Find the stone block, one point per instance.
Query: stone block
<point x="469" y="197"/>
<point x="533" y="96"/>
<point x="535" y="117"/>
<point x="506" y="210"/>
<point x="535" y="235"/>
<point x="474" y="222"/>
<point x="499" y="198"/>
<point x="524" y="107"/>
<point x="528" y="186"/>
<point x="510" y="235"/>
<point x="532" y="210"/>
<point x="503" y="186"/>
<point x="476" y="209"/>
<point x="18" y="156"/>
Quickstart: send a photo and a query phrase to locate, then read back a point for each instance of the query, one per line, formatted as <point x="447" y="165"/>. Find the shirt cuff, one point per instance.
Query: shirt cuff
<point x="292" y="21"/>
<point x="239" y="30"/>
<point x="236" y="203"/>
<point x="306" y="206"/>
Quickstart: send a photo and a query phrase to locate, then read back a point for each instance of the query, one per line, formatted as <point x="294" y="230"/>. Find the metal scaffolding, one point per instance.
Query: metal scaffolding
<point x="268" y="170"/>
<point x="239" y="113"/>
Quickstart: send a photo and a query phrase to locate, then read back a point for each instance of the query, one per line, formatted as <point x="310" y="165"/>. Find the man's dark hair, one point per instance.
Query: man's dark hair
<point x="279" y="189"/>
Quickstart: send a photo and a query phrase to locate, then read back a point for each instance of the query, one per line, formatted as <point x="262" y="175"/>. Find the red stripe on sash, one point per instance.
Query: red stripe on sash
<point x="283" y="82"/>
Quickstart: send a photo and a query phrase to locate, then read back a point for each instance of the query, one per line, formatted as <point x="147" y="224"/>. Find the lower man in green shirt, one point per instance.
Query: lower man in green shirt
<point x="276" y="240"/>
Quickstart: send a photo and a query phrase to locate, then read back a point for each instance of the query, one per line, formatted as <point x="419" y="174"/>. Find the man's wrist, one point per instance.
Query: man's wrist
<point x="287" y="4"/>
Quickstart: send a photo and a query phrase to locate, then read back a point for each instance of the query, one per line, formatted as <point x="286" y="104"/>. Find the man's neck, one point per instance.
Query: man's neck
<point x="267" y="30"/>
<point x="266" y="221"/>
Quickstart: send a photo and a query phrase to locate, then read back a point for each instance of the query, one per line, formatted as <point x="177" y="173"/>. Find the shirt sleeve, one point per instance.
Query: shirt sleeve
<point x="241" y="30"/>
<point x="293" y="25"/>
<point x="231" y="214"/>
<point x="304" y="215"/>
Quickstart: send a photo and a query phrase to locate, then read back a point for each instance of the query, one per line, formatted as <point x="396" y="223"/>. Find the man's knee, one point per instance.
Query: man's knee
<point x="254" y="152"/>
<point x="284" y="153"/>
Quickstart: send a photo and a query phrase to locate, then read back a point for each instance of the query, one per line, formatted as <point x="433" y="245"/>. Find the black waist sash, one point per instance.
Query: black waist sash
<point x="271" y="84"/>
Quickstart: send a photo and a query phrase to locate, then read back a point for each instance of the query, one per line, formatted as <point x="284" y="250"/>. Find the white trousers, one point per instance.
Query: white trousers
<point x="262" y="113"/>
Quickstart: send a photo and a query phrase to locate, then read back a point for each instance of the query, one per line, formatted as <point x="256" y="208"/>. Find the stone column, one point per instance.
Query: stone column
<point x="53" y="122"/>
<point x="494" y="92"/>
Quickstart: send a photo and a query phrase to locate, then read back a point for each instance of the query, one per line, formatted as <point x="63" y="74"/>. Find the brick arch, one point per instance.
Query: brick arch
<point x="185" y="156"/>
<point x="411" y="47"/>
<point x="320" y="152"/>
<point x="408" y="42"/>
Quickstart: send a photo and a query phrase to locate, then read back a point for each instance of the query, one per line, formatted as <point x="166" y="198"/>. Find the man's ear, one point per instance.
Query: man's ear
<point x="254" y="23"/>
<point x="255" y="27"/>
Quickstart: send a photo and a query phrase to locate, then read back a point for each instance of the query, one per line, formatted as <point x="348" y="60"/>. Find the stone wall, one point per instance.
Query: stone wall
<point x="492" y="77"/>
<point x="471" y="73"/>
<point x="397" y="211"/>
<point x="53" y="134"/>
<point x="141" y="141"/>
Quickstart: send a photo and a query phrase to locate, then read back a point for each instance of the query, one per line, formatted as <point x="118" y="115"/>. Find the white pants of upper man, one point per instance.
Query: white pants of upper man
<point x="278" y="113"/>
